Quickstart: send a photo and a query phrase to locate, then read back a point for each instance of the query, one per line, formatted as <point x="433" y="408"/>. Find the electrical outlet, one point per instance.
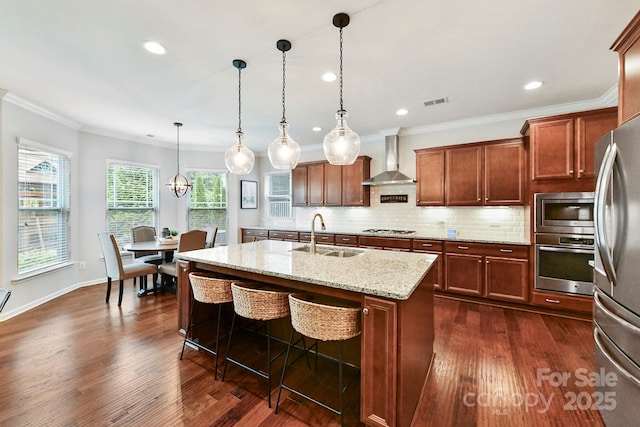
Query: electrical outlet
<point x="494" y="224"/>
<point x="82" y="265"/>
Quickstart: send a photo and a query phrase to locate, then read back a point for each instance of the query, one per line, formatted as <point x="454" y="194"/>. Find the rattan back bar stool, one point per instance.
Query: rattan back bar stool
<point x="328" y="320"/>
<point x="254" y="302"/>
<point x="206" y="288"/>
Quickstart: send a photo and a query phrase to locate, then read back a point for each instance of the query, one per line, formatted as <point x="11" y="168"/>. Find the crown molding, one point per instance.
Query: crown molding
<point x="41" y="111"/>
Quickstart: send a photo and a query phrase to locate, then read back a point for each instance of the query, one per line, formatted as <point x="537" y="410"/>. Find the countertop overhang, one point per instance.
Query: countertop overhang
<point x="387" y="274"/>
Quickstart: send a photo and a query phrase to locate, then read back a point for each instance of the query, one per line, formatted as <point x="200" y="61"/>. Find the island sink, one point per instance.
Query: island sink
<point x="334" y="251"/>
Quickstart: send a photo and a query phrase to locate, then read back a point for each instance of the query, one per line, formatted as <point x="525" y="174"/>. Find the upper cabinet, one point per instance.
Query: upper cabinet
<point x="628" y="47"/>
<point x="430" y="177"/>
<point x="562" y="147"/>
<point x="481" y="174"/>
<point x="324" y="184"/>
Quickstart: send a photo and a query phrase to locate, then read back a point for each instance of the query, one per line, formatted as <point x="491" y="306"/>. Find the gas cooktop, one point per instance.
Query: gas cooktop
<point x="386" y="231"/>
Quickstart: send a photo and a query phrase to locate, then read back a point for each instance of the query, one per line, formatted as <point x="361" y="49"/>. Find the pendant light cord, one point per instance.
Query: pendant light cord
<point x="341" y="105"/>
<point x="284" y="73"/>
<point x="178" y="154"/>
<point x="240" y="99"/>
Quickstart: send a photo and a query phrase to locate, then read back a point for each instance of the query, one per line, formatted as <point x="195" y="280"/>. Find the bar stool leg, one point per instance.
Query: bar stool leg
<point x="186" y="335"/>
<point x="224" y="369"/>
<point x="340" y="381"/>
<point x="284" y="368"/>
<point x="215" y="372"/>
<point x="268" y="364"/>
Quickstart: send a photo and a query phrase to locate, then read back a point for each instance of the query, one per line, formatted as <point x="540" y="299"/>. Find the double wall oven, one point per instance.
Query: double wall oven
<point x="564" y="242"/>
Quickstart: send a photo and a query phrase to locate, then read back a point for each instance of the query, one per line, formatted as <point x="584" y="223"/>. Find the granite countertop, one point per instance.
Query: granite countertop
<point x="388" y="274"/>
<point x="417" y="235"/>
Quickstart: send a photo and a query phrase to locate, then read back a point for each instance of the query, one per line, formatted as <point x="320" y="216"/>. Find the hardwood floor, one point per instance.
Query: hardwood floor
<point x="77" y="361"/>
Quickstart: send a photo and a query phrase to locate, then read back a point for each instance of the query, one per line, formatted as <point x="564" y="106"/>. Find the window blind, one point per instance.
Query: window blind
<point x="132" y="194"/>
<point x="208" y="203"/>
<point x="279" y="195"/>
<point x="43" y="208"/>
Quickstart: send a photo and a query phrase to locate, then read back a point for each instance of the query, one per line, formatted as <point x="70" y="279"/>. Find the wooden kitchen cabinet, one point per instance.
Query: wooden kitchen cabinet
<point x="628" y="47"/>
<point x="487" y="270"/>
<point x="299" y="186"/>
<point x="290" y="236"/>
<point x="504" y="173"/>
<point x="353" y="192"/>
<point x="324" y="184"/>
<point x="253" y="234"/>
<point x="315" y="184"/>
<point x="489" y="173"/>
<point x="433" y="247"/>
<point x="430" y="164"/>
<point x="562" y="147"/>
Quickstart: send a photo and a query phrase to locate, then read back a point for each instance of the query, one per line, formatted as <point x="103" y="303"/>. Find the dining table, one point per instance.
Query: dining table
<point x="167" y="248"/>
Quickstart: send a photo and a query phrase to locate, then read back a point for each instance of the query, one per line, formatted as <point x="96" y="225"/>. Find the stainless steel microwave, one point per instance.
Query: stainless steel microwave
<point x="570" y="213"/>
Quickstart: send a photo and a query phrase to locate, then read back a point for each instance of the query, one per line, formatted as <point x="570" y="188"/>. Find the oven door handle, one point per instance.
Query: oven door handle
<point x="565" y="249"/>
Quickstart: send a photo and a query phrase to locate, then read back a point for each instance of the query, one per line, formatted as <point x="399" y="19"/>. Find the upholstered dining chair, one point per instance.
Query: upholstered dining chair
<point x="189" y="241"/>
<point x="212" y="232"/>
<point x="116" y="270"/>
<point x="145" y="233"/>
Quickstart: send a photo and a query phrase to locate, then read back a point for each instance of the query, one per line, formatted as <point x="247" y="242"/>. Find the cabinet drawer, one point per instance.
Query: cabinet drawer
<point x="320" y="238"/>
<point x="385" y="242"/>
<point x="426" y="245"/>
<point x="254" y="232"/>
<point x="346" y="240"/>
<point x="284" y="235"/>
<point x="489" y="249"/>
<point x="562" y="302"/>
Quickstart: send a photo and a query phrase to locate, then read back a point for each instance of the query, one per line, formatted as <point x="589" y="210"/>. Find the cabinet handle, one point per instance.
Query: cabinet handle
<point x="479" y="199"/>
<point x="486" y="199"/>
<point x="427" y="245"/>
<point x="365" y="310"/>
<point x="555" y="301"/>
<point x="571" y="171"/>
<point x="506" y="250"/>
<point x="344" y="239"/>
<point x="463" y="247"/>
<point x="480" y="261"/>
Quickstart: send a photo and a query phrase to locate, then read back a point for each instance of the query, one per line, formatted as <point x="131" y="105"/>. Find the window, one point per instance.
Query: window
<point x="43" y="207"/>
<point x="208" y="203"/>
<point x="132" y="194"/>
<point x="278" y="195"/>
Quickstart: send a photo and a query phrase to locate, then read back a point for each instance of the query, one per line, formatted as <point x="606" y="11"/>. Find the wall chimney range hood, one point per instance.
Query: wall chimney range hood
<point x="391" y="175"/>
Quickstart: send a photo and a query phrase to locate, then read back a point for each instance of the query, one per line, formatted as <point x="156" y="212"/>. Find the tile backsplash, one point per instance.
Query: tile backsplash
<point x="482" y="223"/>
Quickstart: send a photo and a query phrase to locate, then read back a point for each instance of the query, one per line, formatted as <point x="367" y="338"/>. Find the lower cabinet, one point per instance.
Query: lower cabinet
<point x="253" y="234"/>
<point x="487" y="270"/>
<point x="433" y="247"/>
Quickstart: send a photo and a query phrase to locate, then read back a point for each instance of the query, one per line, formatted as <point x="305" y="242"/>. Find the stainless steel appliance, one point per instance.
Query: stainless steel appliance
<point x="617" y="275"/>
<point x="562" y="263"/>
<point x="564" y="242"/>
<point x="570" y="213"/>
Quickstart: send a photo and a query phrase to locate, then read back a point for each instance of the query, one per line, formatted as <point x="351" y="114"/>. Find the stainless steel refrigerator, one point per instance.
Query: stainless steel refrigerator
<point x="617" y="276"/>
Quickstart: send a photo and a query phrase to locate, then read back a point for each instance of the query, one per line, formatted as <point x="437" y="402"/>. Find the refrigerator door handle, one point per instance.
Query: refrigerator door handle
<point x="618" y="318"/>
<point x="602" y="188"/>
<point x="609" y="357"/>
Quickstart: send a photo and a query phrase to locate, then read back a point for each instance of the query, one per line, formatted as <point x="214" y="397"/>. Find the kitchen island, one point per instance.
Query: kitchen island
<point x="394" y="289"/>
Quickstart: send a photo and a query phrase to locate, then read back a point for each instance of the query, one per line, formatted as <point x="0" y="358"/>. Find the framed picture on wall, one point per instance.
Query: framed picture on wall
<point x="248" y="194"/>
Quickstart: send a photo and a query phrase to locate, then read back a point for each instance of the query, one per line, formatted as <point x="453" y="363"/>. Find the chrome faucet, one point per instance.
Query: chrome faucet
<point x="312" y="246"/>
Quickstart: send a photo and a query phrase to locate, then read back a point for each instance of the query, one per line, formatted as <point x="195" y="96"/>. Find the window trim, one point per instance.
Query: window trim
<point x="39" y="270"/>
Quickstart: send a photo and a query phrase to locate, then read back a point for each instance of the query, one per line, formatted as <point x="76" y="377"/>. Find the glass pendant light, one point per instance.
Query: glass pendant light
<point x="341" y="145"/>
<point x="178" y="185"/>
<point x="284" y="152"/>
<point x="238" y="158"/>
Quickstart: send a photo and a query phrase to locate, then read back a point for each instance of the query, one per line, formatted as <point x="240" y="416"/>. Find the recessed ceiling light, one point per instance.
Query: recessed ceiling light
<point x="155" y="47"/>
<point x="402" y="112"/>
<point x="328" y="77"/>
<point x="533" y="85"/>
<point x="316" y="129"/>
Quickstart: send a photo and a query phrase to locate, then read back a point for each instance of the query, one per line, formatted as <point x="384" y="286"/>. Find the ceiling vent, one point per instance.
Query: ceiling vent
<point x="436" y="101"/>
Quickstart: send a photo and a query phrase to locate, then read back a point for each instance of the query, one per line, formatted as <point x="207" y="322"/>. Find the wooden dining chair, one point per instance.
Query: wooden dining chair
<point x="116" y="270"/>
<point x="189" y="241"/>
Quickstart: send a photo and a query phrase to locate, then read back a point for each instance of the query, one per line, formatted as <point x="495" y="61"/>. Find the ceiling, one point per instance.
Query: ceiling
<point x="83" y="60"/>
